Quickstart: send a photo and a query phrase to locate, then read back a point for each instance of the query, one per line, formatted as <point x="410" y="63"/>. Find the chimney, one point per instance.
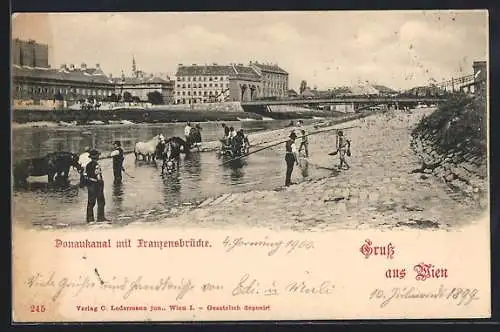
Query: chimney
<point x="97" y="66"/>
<point x="83" y="66"/>
<point x="110" y="75"/>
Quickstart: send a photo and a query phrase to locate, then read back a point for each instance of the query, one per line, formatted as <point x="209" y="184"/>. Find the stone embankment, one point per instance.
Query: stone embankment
<point x="452" y="145"/>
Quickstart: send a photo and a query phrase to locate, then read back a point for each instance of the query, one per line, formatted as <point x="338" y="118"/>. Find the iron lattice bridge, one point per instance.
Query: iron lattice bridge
<point x="457" y="83"/>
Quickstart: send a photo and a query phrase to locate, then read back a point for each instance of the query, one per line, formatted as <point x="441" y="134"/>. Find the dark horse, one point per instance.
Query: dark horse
<point x="170" y="152"/>
<point x="194" y="139"/>
<point x="53" y="164"/>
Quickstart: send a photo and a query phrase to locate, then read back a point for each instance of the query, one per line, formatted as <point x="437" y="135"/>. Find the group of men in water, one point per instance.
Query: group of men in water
<point x="91" y="176"/>
<point x="235" y="139"/>
<point x="192" y="134"/>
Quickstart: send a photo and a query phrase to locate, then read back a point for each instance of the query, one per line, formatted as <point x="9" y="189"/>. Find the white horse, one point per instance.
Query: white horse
<point x="147" y="150"/>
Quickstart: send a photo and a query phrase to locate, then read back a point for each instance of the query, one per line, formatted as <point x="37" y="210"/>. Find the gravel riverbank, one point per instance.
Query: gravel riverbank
<point x="379" y="191"/>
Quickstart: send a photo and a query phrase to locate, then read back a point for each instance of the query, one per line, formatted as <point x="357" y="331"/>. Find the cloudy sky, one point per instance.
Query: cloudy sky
<point x="393" y="48"/>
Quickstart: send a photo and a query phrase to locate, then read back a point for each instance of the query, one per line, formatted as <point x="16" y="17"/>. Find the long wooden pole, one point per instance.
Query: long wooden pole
<point x="281" y="142"/>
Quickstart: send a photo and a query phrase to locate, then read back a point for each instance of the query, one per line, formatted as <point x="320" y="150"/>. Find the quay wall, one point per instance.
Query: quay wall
<point x="452" y="145"/>
<point x="152" y="115"/>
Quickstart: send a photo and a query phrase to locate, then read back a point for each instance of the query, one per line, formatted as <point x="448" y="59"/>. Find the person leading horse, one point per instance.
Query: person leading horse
<point x="55" y="164"/>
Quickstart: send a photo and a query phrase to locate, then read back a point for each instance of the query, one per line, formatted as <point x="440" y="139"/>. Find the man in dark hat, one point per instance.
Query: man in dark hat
<point x="117" y="155"/>
<point x="290" y="157"/>
<point x="95" y="186"/>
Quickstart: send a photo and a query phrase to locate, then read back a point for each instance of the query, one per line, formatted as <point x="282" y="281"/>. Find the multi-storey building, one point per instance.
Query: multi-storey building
<point x="234" y="82"/>
<point x="202" y="84"/>
<point x="30" y="53"/>
<point x="274" y="79"/>
<point x="71" y="83"/>
<point x="67" y="82"/>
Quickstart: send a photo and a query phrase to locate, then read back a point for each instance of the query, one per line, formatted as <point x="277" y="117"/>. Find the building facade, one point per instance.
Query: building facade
<point x="139" y="84"/>
<point x="30" y="53"/>
<point x="274" y="79"/>
<point x="142" y="87"/>
<point x="71" y="84"/>
<point x="197" y="84"/>
<point x="233" y="82"/>
<point x="66" y="83"/>
<point x="245" y="84"/>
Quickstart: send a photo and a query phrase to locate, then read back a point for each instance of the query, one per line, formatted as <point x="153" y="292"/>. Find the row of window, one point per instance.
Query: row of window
<point x="54" y="90"/>
<point x="200" y="93"/>
<point x="275" y="86"/>
<point x="216" y="85"/>
<point x="194" y="101"/>
<point x="200" y="78"/>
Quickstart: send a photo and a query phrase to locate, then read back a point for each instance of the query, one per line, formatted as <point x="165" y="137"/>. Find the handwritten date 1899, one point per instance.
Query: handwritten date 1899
<point x="459" y="296"/>
<point x="251" y="286"/>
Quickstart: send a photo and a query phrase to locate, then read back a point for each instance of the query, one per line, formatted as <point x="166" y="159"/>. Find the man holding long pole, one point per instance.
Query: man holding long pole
<point x="291" y="157"/>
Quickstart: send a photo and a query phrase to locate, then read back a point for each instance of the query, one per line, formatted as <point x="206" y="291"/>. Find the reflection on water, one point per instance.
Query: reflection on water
<point x="37" y="142"/>
<point x="144" y="192"/>
<point x="118" y="196"/>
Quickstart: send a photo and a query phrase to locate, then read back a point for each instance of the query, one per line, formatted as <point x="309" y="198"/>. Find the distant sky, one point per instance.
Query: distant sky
<point x="399" y="49"/>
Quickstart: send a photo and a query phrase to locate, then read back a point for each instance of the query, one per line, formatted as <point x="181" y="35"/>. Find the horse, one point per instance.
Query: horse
<point x="147" y="150"/>
<point x="53" y="164"/>
<point x="170" y="152"/>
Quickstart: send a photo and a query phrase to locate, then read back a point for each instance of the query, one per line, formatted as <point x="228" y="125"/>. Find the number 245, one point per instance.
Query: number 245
<point x="37" y="308"/>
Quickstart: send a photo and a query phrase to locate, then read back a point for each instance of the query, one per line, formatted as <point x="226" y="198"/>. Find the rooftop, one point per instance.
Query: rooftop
<point x="205" y="70"/>
<point x="269" y="67"/>
<point x="140" y="80"/>
<point x="90" y="75"/>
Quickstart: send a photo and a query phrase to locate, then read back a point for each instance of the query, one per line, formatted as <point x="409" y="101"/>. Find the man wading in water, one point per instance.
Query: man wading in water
<point x="117" y="156"/>
<point x="95" y="186"/>
<point x="290" y="158"/>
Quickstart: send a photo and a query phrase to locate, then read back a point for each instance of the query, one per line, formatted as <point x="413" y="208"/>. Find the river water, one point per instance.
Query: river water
<point x="145" y="193"/>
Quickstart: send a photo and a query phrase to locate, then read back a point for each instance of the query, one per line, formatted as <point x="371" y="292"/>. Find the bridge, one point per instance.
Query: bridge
<point x="347" y="100"/>
<point x="434" y="93"/>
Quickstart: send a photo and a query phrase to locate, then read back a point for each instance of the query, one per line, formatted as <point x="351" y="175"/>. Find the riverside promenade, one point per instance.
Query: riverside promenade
<point x="379" y="191"/>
